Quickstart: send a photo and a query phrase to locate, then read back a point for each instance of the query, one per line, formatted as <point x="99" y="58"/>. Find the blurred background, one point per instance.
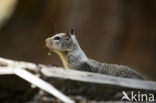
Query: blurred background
<point x="111" y="31"/>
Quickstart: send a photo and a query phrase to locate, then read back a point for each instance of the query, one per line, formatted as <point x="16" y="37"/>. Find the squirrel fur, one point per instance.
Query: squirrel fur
<point x="73" y="57"/>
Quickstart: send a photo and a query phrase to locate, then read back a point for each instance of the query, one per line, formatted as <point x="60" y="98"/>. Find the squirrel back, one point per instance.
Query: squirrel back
<point x="73" y="57"/>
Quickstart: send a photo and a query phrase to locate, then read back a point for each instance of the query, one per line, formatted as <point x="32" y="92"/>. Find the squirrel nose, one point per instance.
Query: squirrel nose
<point x="47" y="40"/>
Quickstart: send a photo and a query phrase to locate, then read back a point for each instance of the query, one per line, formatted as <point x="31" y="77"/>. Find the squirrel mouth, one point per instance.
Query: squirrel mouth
<point x="48" y="44"/>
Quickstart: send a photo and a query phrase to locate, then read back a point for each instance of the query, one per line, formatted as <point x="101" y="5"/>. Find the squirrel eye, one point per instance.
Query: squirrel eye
<point x="57" y="38"/>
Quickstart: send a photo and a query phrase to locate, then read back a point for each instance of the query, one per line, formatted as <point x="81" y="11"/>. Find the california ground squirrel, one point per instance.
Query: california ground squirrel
<point x="72" y="56"/>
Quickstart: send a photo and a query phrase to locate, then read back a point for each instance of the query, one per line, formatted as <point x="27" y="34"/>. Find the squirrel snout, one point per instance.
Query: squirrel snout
<point x="47" y="41"/>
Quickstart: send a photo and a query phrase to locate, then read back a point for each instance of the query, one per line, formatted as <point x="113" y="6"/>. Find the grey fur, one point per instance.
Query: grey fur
<point x="73" y="57"/>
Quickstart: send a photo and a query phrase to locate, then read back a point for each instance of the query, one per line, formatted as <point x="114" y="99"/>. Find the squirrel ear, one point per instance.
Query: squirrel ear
<point x="70" y="32"/>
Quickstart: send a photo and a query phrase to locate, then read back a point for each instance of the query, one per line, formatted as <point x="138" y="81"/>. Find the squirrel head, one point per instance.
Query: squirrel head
<point x="62" y="42"/>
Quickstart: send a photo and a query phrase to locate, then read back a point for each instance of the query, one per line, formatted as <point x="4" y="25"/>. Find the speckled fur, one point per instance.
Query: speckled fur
<point x="72" y="56"/>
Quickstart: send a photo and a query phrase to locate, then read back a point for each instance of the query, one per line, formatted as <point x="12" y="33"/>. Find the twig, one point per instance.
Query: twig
<point x="42" y="85"/>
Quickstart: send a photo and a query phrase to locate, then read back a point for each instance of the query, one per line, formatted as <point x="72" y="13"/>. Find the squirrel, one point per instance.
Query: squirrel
<point x="73" y="57"/>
